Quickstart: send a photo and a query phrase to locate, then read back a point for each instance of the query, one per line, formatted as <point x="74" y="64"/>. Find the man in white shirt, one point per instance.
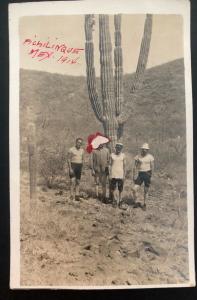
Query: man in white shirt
<point x="75" y="164"/>
<point x="118" y="167"/>
<point x="142" y="172"/>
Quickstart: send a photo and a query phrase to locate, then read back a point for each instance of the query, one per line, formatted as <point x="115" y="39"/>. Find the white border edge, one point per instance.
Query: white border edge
<point x="14" y="148"/>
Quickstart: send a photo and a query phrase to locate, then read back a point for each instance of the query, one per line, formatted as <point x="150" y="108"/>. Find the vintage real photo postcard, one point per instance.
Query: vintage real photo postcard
<point x="101" y="148"/>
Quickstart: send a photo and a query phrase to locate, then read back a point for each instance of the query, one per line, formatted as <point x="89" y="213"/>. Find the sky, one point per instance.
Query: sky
<point x="166" y="42"/>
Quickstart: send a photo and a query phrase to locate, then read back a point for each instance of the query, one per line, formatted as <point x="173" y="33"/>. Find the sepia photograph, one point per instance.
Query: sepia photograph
<point x="101" y="146"/>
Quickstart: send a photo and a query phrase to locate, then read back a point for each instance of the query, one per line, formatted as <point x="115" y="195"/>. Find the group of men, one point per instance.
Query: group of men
<point x="106" y="166"/>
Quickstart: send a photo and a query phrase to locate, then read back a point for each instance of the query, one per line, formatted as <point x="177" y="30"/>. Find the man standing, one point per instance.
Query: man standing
<point x="118" y="170"/>
<point x="142" y="172"/>
<point x="100" y="168"/>
<point x="75" y="164"/>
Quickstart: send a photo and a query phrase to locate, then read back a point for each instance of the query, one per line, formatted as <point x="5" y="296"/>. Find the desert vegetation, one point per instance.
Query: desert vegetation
<point x="89" y="242"/>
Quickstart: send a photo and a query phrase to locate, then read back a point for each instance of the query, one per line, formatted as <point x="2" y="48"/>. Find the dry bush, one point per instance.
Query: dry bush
<point x="52" y="164"/>
<point x="169" y="153"/>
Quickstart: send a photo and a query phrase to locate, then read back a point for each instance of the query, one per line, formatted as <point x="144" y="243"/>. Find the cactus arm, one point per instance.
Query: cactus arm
<point x="143" y="57"/>
<point x="141" y="66"/>
<point x="118" y="61"/>
<point x="90" y="70"/>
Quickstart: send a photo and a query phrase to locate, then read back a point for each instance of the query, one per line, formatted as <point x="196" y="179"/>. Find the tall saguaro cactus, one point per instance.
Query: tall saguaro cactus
<point x="110" y="109"/>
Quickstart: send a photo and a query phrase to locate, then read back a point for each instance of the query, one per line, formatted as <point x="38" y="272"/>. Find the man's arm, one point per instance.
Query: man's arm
<point x="107" y="169"/>
<point x="152" y="167"/>
<point x="69" y="162"/>
<point x="83" y="158"/>
<point x="110" y="165"/>
<point x="124" y="167"/>
<point x="135" y="169"/>
<point x="108" y="157"/>
<point x="92" y="164"/>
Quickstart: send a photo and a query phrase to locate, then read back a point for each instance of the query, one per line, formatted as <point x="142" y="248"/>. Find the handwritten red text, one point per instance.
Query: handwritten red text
<point x="46" y="50"/>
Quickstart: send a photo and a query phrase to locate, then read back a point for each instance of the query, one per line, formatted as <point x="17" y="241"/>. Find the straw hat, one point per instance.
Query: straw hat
<point x="145" y="146"/>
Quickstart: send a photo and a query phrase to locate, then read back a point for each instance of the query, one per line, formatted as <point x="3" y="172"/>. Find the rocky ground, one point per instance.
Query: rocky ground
<point x="70" y="243"/>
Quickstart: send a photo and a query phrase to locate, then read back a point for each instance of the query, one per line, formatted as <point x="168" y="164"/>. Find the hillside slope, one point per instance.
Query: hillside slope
<point x="63" y="102"/>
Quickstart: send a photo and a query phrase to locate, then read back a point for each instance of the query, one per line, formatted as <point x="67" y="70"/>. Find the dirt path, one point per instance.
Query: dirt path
<point x="66" y="242"/>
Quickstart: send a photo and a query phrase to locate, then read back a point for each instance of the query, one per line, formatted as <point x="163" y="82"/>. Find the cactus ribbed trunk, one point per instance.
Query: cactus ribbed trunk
<point x="107" y="88"/>
<point x="32" y="161"/>
<point x="118" y="62"/>
<point x="107" y="80"/>
<point x="118" y="65"/>
<point x="109" y="109"/>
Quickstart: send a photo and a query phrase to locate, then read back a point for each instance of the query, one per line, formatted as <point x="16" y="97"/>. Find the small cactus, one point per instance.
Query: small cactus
<point x="32" y="160"/>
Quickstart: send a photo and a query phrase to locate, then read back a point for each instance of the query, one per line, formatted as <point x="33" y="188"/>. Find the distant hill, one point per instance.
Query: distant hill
<point x="60" y="106"/>
<point x="159" y="112"/>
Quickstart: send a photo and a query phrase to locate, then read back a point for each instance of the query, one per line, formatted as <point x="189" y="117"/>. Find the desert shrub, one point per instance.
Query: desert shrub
<point x="52" y="163"/>
<point x="171" y="152"/>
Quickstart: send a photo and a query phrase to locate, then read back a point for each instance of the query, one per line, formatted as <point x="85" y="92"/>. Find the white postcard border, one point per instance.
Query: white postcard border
<point x="18" y="10"/>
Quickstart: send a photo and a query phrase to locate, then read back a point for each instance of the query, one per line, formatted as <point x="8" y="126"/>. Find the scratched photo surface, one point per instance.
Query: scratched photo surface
<point x="73" y="84"/>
